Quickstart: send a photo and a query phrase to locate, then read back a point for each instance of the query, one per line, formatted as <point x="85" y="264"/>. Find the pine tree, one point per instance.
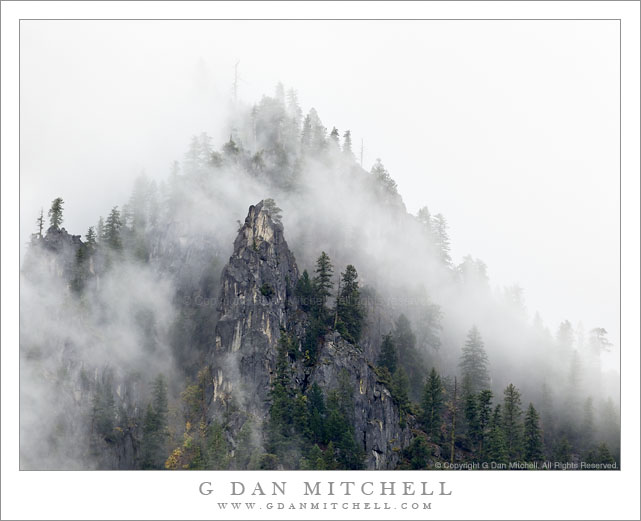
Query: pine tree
<point x="272" y="208"/>
<point x="155" y="427"/>
<point x="40" y="222"/>
<point x="484" y="418"/>
<point x="432" y="405"/>
<point x="565" y="335"/>
<point x="512" y="426"/>
<point x="408" y="356"/>
<point x="334" y="139"/>
<point x="347" y="145"/>
<point x="113" y="224"/>
<point x="90" y="238"/>
<point x="532" y="438"/>
<point x="316" y="410"/>
<point x="55" y="212"/>
<point x="387" y="357"/>
<point x="323" y="284"/>
<point x="472" y="419"/>
<point x="349" y="310"/>
<point x="100" y="231"/>
<point x="604" y="456"/>
<point x="563" y="452"/>
<point x="306" y="135"/>
<point x="442" y="238"/>
<point x="417" y="453"/>
<point x="473" y="363"/>
<point x="217" y="450"/>
<point x="400" y="387"/>
<point x="587" y="427"/>
<point x="496" y="450"/>
<point x="383" y="178"/>
<point x="305" y="292"/>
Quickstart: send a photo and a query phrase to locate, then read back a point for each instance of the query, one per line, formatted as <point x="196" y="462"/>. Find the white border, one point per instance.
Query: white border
<point x="158" y="495"/>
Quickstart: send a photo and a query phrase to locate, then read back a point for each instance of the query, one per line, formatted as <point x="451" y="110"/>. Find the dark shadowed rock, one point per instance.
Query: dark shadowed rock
<point x="255" y="302"/>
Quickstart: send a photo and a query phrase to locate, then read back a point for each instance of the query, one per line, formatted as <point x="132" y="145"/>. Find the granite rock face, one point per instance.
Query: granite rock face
<point x="376" y="415"/>
<point x="256" y="301"/>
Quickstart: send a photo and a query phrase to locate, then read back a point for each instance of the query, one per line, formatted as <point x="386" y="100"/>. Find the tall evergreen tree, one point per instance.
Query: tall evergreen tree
<point x="316" y="407"/>
<point x="323" y="284"/>
<point x="496" y="450"/>
<point x="40" y="222"/>
<point x="472" y="419"/>
<point x="334" y="137"/>
<point x="442" y="238"/>
<point x="484" y="418"/>
<point x="512" y="425"/>
<point x="400" y="387"/>
<point x="347" y="144"/>
<point x="155" y="434"/>
<point x="113" y="225"/>
<point x="383" y="178"/>
<point x="90" y="237"/>
<point x="473" y="363"/>
<point x="349" y="309"/>
<point x="388" y="357"/>
<point x="409" y="357"/>
<point x="100" y="230"/>
<point x="432" y="406"/>
<point x="604" y="455"/>
<point x="55" y="212"/>
<point x="305" y="292"/>
<point x="532" y="438"/>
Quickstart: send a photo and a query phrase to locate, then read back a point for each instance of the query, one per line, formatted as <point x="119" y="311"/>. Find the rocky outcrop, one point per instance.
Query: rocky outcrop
<point x="376" y="415"/>
<point x="256" y="301"/>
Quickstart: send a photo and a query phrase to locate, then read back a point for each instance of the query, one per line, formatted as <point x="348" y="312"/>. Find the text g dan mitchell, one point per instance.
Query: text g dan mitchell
<point x="328" y="488"/>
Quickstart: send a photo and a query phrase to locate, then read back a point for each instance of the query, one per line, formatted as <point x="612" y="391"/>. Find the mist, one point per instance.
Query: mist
<point x="103" y="126"/>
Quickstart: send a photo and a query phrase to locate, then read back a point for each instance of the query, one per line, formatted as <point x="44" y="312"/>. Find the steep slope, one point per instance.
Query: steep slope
<point x="256" y="303"/>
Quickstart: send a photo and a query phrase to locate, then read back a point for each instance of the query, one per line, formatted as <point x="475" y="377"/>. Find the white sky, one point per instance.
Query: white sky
<point x="510" y="129"/>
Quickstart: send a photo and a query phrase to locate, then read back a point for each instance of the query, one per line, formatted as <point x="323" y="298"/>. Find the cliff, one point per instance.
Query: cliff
<point x="256" y="303"/>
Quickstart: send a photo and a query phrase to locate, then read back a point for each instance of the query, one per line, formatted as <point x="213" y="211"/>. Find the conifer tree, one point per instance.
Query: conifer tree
<point x="90" y="237"/>
<point x="512" y="425"/>
<point x="382" y="176"/>
<point x="323" y="284"/>
<point x="305" y="292"/>
<point x="400" y="387"/>
<point x="100" y="230"/>
<point x="473" y="363"/>
<point x="484" y="418"/>
<point x="349" y="310"/>
<point x="316" y="408"/>
<point x="496" y="445"/>
<point x="55" y="212"/>
<point x="472" y="419"/>
<point x="334" y="138"/>
<point x="408" y="356"/>
<point x="563" y="452"/>
<point x="113" y="224"/>
<point x="388" y="357"/>
<point x="442" y="238"/>
<point x="347" y="144"/>
<point x="532" y="438"/>
<point x="604" y="456"/>
<point x="587" y="427"/>
<point x="272" y="208"/>
<point x="40" y="222"/>
<point x="432" y="405"/>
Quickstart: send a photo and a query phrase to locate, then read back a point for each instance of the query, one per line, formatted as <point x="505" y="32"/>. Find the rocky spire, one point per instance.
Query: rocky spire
<point x="255" y="302"/>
